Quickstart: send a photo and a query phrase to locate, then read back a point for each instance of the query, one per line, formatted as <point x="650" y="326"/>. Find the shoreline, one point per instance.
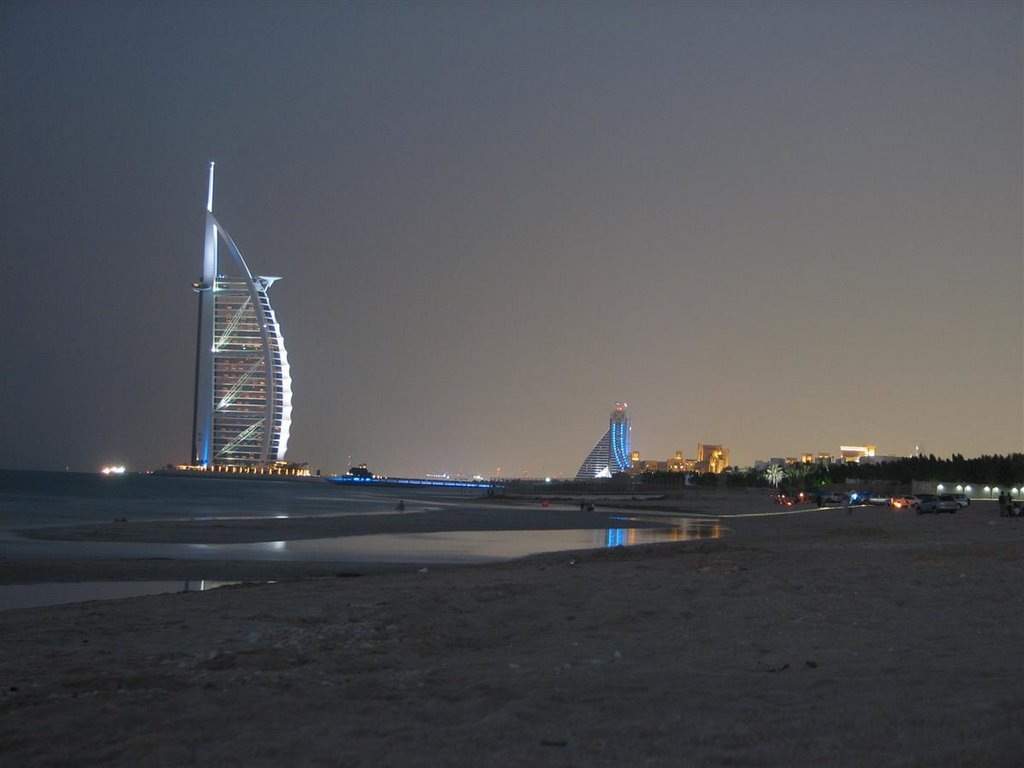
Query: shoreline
<point x="420" y="517"/>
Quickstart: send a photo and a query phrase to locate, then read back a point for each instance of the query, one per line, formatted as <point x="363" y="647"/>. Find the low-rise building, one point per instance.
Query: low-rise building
<point x="710" y="459"/>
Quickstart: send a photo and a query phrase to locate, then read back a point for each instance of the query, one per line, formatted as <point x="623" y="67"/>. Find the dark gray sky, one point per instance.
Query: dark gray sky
<point x="780" y="227"/>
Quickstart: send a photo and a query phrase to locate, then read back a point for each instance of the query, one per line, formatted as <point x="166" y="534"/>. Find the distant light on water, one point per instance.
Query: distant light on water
<point x="113" y="470"/>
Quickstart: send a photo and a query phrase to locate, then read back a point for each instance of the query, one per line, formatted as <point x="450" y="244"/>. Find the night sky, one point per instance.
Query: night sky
<point x="778" y="226"/>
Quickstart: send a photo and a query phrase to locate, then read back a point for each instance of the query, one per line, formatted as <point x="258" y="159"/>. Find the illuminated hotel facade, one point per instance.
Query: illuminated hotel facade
<point x="243" y="388"/>
<point x="611" y="454"/>
<point x="711" y="459"/>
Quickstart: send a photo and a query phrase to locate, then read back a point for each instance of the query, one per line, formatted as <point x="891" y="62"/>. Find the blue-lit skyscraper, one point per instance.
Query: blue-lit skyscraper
<point x="243" y="393"/>
<point x="611" y="454"/>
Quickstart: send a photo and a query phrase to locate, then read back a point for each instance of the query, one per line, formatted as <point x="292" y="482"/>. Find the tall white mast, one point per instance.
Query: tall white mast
<point x="209" y="196"/>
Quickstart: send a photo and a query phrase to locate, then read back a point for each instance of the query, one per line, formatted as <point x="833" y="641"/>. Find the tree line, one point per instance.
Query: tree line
<point x="993" y="469"/>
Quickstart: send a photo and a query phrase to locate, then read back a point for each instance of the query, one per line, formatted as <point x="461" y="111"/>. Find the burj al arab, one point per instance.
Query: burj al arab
<point x="243" y="387"/>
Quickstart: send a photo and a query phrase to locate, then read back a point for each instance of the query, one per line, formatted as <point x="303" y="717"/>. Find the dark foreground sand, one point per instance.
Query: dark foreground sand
<point x="817" y="639"/>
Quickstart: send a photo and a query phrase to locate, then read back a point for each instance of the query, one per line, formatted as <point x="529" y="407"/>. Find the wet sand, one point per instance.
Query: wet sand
<point x="26" y="565"/>
<point x="476" y="516"/>
<point x="811" y="639"/>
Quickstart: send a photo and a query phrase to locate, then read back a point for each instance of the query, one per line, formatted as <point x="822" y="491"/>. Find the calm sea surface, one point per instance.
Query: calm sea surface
<point x="29" y="499"/>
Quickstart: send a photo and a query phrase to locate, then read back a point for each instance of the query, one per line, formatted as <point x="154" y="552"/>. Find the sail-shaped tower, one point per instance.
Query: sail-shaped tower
<point x="612" y="452"/>
<point x="243" y="389"/>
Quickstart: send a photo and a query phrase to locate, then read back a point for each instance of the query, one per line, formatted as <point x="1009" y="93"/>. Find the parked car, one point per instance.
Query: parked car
<point x="937" y="504"/>
<point x="833" y="498"/>
<point x="962" y="499"/>
<point x="904" y="502"/>
<point x="879" y="500"/>
<point x="789" y="499"/>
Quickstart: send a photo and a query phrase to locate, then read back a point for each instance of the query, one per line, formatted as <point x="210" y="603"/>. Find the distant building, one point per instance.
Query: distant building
<point x="243" y="391"/>
<point x="612" y="453"/>
<point x="712" y="458"/>
<point x="852" y="454"/>
<point x="848" y="454"/>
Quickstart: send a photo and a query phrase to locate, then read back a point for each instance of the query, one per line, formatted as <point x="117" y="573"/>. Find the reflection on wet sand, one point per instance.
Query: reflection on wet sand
<point x="453" y="547"/>
<point x="437" y="548"/>
<point x="685" y="530"/>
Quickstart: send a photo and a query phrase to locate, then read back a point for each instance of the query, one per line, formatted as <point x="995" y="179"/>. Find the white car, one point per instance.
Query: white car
<point x="937" y="504"/>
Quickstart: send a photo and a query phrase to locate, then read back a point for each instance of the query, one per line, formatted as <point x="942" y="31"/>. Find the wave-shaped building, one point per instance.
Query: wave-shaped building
<point x="243" y="390"/>
<point x="611" y="454"/>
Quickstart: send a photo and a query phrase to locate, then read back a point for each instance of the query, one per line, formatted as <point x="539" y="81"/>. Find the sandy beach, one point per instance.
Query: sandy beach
<point x="819" y="638"/>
